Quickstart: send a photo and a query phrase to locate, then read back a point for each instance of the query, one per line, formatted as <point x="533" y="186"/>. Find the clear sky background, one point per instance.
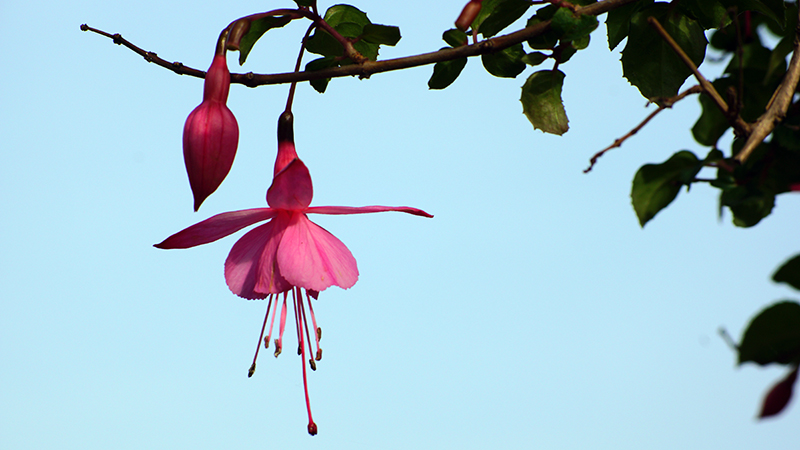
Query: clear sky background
<point x="531" y="312"/>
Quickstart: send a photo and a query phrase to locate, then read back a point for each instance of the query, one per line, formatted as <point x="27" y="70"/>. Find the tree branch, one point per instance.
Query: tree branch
<point x="665" y="103"/>
<point x="742" y="128"/>
<point x="370" y="67"/>
<point x="778" y="104"/>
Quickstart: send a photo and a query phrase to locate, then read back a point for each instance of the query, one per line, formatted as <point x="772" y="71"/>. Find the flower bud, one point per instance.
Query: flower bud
<point x="778" y="397"/>
<point x="210" y="135"/>
<point x="468" y="15"/>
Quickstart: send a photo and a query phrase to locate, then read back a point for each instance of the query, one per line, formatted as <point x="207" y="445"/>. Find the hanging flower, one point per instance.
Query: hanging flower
<point x="288" y="254"/>
<point x="211" y="134"/>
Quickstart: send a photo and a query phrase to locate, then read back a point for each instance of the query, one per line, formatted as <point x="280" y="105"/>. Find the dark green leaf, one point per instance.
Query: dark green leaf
<point x="547" y="40"/>
<point x="506" y="63"/>
<point x="618" y="22"/>
<point x="455" y="38"/>
<point x="381" y="34"/>
<point x="649" y="63"/>
<point x="748" y="206"/>
<point x="709" y="13"/>
<point x="318" y="64"/>
<point x="503" y="14"/>
<point x="569" y="26"/>
<point x="789" y="273"/>
<point x="446" y="72"/>
<point x="773" y="336"/>
<point x="567" y="51"/>
<point x="655" y="186"/>
<point x="541" y="101"/>
<point x="257" y="29"/>
<point x="534" y="58"/>
<point x="711" y="124"/>
<point x="324" y="44"/>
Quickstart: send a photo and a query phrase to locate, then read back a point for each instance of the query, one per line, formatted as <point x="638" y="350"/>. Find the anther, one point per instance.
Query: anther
<point x="251" y="371"/>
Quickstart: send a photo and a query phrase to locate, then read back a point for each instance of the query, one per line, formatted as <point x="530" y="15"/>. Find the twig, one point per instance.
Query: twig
<point x="742" y="128"/>
<point x="370" y="67"/>
<point x="665" y="103"/>
<point x="776" y="109"/>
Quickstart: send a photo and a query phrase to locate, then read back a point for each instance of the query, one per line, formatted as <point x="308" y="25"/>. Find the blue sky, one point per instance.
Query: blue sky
<point x="532" y="311"/>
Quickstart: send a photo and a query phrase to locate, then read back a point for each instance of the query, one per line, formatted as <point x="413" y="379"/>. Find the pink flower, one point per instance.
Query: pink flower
<point x="211" y="134"/>
<point x="289" y="253"/>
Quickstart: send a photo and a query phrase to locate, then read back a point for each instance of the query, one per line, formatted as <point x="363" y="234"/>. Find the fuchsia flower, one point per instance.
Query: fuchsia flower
<point x="211" y="134"/>
<point x="290" y="253"/>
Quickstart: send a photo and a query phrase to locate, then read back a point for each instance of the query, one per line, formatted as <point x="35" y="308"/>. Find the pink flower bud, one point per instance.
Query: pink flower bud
<point x="210" y="135"/>
<point x="468" y="15"/>
<point x="778" y="397"/>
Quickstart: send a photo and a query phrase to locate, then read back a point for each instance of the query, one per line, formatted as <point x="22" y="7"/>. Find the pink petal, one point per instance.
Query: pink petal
<point x="291" y="188"/>
<point x="250" y="270"/>
<point x="365" y="209"/>
<point x="311" y="258"/>
<point x="216" y="227"/>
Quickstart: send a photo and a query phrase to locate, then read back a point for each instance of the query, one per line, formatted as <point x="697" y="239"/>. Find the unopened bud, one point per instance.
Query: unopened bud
<point x="468" y="15"/>
<point x="210" y="135"/>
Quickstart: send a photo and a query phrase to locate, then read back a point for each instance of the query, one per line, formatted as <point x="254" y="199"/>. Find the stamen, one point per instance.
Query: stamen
<point x="271" y="324"/>
<point x="318" y="330"/>
<point x="278" y="342"/>
<point x="304" y="319"/>
<point x="252" y="369"/>
<point x="297" y="320"/>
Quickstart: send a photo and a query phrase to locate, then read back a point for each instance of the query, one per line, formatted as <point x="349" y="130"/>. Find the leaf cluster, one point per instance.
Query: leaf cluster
<point x="541" y="93"/>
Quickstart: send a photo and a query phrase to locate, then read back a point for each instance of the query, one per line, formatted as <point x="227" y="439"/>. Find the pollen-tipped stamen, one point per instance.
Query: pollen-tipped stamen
<point x="304" y="320"/>
<point x="317" y="330"/>
<point x="252" y="369"/>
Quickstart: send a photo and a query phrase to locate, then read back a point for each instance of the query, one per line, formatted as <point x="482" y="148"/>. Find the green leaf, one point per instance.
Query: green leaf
<point x="655" y="186"/>
<point x="257" y="29"/>
<point x="506" y="63"/>
<point x="455" y="38"/>
<point x="318" y="64"/>
<point x="618" y="22"/>
<point x="541" y="101"/>
<point x="581" y="43"/>
<point x="649" y="63"/>
<point x="503" y="14"/>
<point x="381" y="34"/>
<point x="789" y="273"/>
<point x="546" y="40"/>
<point x="446" y="72"/>
<point x="337" y="14"/>
<point x="773" y="336"/>
<point x="534" y="58"/>
<point x="569" y="26"/>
